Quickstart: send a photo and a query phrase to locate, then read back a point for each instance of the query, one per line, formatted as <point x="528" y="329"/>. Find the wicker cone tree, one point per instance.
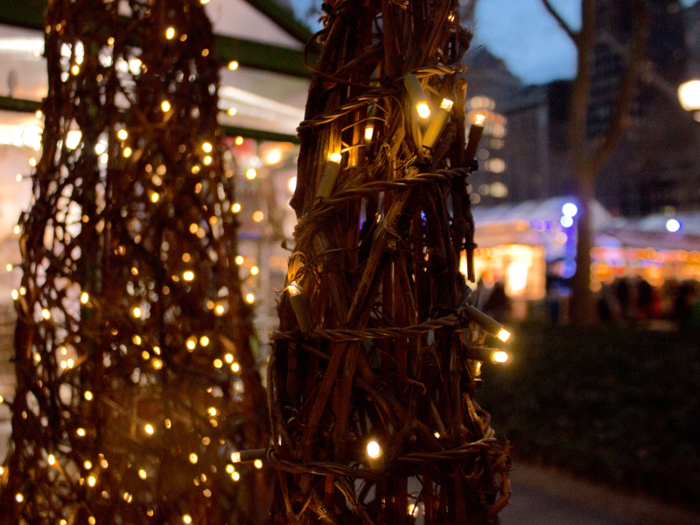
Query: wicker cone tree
<point x="373" y="373"/>
<point x="135" y="374"/>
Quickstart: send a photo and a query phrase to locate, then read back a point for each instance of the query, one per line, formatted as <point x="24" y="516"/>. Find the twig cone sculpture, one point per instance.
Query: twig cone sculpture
<point x="373" y="372"/>
<point x="130" y="314"/>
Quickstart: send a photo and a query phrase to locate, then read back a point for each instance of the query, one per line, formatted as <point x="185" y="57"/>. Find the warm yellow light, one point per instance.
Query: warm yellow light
<point x="207" y="147"/>
<point x="15" y="294"/>
<point x="19" y="498"/>
<point x="170" y="33"/>
<point x="374" y="451"/>
<point x="423" y="110"/>
<point x="136" y="339"/>
<point x="499" y="356"/>
<point x="148" y="428"/>
<point x="228" y="358"/>
<point x="230" y="468"/>
<point x="235" y="367"/>
<point x="437" y="435"/>
<point x="191" y="343"/>
<point x="235" y="476"/>
<point x="168" y="423"/>
<point x="193" y="458"/>
<point x="80" y="432"/>
<point x="186" y="518"/>
<point x="235" y="207"/>
<point x="155" y="197"/>
<point x="503" y="335"/>
<point x="142" y="474"/>
<point x="236" y="457"/>
<point x="137" y="312"/>
<point x="87" y="464"/>
<point x="75" y="69"/>
<point x="165" y="106"/>
<point x="250" y="174"/>
<point x="239" y="260"/>
<point x="32" y="162"/>
<point x="238" y="141"/>
<point x="218" y="363"/>
<point x="84" y="297"/>
<point x="146" y="356"/>
<point x="122" y="134"/>
<point x="335" y="157"/>
<point x="16" y="229"/>
<point x="446" y="104"/>
<point x="369" y="131"/>
<point x="188" y="275"/>
<point x="258" y="463"/>
<point x="254" y="270"/>
<point x="250" y="298"/>
<point x="88" y="395"/>
<point x="413" y="508"/>
<point x="207" y="160"/>
<point x="45" y="314"/>
<point x="689" y="95"/>
<point x="51" y="459"/>
<point x="233" y="65"/>
<point x="219" y="310"/>
<point x="204" y="340"/>
<point x="232" y="111"/>
<point x="212" y="411"/>
<point x="157" y="364"/>
<point x="258" y="216"/>
<point x="193" y="228"/>
<point x="479" y="119"/>
<point x="91" y="520"/>
<point x="91" y="481"/>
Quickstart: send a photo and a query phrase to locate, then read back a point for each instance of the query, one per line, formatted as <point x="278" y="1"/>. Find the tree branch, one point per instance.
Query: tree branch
<point x="627" y="88"/>
<point x="562" y="23"/>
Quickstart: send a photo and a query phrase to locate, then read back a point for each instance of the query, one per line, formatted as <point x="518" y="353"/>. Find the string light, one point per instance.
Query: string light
<point x="235" y="207"/>
<point x="330" y="174"/>
<point x="250" y="174"/>
<point x="207" y="147"/>
<point x="51" y="459"/>
<point x="254" y="270"/>
<point x="193" y="458"/>
<point x="233" y="65"/>
<point x="250" y="298"/>
<point x="300" y="306"/>
<point x="84" y="297"/>
<point x="122" y="134"/>
<point x="499" y="356"/>
<point x="232" y="111"/>
<point x="258" y="463"/>
<point x="239" y="260"/>
<point x="417" y="95"/>
<point x="142" y="474"/>
<point x="165" y="106"/>
<point x="369" y="131"/>
<point x="148" y="428"/>
<point x="374" y="450"/>
<point x="170" y="33"/>
<point x="235" y="367"/>
<point x="80" y="432"/>
<point x="137" y="312"/>
<point x="437" y="123"/>
<point x="188" y="275"/>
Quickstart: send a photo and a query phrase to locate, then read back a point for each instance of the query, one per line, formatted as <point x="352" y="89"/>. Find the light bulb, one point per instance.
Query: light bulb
<point x="207" y="147"/>
<point x="369" y="131"/>
<point x="503" y="334"/>
<point x="188" y="275"/>
<point x="84" y="297"/>
<point x="423" y="110"/>
<point x="374" y="450"/>
<point x="233" y="65"/>
<point x="165" y="106"/>
<point x="258" y="463"/>
<point x="51" y="459"/>
<point x="122" y="134"/>
<point x="137" y="312"/>
<point x="142" y="474"/>
<point x="499" y="356"/>
<point x="235" y="207"/>
<point x="235" y="367"/>
<point x="193" y="458"/>
<point x="236" y="457"/>
<point x="170" y="33"/>
<point x="148" y="428"/>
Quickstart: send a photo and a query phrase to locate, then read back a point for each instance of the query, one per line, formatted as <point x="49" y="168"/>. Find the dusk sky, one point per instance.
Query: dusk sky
<point x="525" y="36"/>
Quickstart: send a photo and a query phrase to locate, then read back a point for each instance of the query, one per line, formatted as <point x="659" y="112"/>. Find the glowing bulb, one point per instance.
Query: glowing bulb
<point x="236" y="457"/>
<point x="148" y="428"/>
<point x="45" y="314"/>
<point x="212" y="411"/>
<point x="258" y="216"/>
<point x="235" y="367"/>
<point x="19" y="498"/>
<point x="170" y="33"/>
<point x="218" y="363"/>
<point x="137" y="312"/>
<point x="87" y="465"/>
<point x="15" y="294"/>
<point x="219" y="310"/>
<point x="437" y="435"/>
<point x="207" y="147"/>
<point x="335" y="157"/>
<point x="479" y="120"/>
<point x="84" y="297"/>
<point x="193" y="228"/>
<point x="91" y="520"/>
<point x="258" y="463"/>
<point x="122" y="134"/>
<point x="235" y="476"/>
<point x="155" y="197"/>
<point x="423" y="110"/>
<point x="168" y="423"/>
<point x="673" y="225"/>
<point x="232" y="111"/>
<point x="191" y="343"/>
<point x="188" y="275"/>
<point x="228" y="358"/>
<point x="569" y="209"/>
<point x="499" y="356"/>
<point x="80" y="432"/>
<point x="233" y="65"/>
<point x="204" y="340"/>
<point x="235" y="207"/>
<point x="374" y="451"/>
<point x="207" y="160"/>
<point x="193" y="458"/>
<point x="165" y="106"/>
<point x="91" y="481"/>
<point x="413" y="508"/>
<point x="250" y="174"/>
<point x="157" y="364"/>
<point x="88" y="395"/>
<point x="369" y="131"/>
<point x="503" y="335"/>
<point x="239" y="260"/>
<point x="51" y="459"/>
<point x="16" y="229"/>
<point x="186" y="518"/>
<point x="142" y="474"/>
<point x="250" y="298"/>
<point x="254" y="270"/>
<point x="230" y="468"/>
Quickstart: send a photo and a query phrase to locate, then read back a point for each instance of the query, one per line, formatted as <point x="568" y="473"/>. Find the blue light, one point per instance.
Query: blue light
<point x="569" y="268"/>
<point x="673" y="225"/>
<point x="566" y="221"/>
<point x="569" y="209"/>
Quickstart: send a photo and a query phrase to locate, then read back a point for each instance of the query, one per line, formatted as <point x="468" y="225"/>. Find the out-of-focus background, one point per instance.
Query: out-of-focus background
<point x="615" y="402"/>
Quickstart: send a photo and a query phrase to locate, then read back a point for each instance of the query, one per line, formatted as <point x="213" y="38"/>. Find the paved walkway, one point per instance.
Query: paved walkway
<point x="549" y="497"/>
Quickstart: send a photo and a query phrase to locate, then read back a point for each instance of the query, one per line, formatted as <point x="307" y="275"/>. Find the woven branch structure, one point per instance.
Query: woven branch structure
<point x="135" y="374"/>
<point x="373" y="372"/>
